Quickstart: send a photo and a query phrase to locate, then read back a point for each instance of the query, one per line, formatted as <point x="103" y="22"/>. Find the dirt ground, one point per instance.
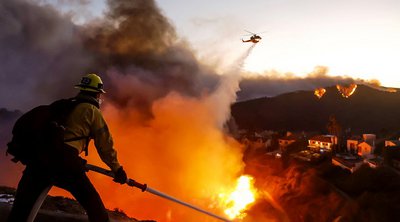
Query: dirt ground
<point x="44" y="215"/>
<point x="51" y="216"/>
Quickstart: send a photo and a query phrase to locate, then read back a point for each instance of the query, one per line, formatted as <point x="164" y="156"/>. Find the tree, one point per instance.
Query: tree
<point x="334" y="128"/>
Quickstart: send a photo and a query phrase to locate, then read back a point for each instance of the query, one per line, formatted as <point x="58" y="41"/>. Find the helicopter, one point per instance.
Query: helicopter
<point x="254" y="38"/>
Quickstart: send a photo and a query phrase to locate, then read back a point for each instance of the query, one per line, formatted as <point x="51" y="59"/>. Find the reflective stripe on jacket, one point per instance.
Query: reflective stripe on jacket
<point x="87" y="120"/>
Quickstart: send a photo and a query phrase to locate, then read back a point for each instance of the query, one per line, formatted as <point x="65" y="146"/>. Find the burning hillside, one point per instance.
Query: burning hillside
<point x="298" y="111"/>
<point x="347" y="91"/>
<point x="319" y="92"/>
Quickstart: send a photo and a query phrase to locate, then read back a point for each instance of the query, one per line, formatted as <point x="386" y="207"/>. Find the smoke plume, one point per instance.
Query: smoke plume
<point x="41" y="54"/>
<point x="44" y="54"/>
<point x="165" y="110"/>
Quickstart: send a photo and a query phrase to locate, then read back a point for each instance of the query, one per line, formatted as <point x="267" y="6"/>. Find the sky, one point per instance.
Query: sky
<point x="355" y="38"/>
<point x="306" y="44"/>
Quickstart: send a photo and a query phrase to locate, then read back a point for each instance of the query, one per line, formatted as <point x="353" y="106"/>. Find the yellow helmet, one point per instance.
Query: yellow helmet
<point x="91" y="83"/>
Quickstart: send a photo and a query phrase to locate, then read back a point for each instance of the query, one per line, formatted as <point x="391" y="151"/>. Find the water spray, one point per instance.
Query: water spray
<point x="144" y="187"/>
<point x="245" y="55"/>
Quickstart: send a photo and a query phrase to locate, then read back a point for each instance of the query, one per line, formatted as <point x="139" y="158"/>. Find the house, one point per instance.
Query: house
<point x="392" y="143"/>
<point x="285" y="141"/>
<point x="348" y="162"/>
<point x="352" y="144"/>
<point x="391" y="155"/>
<point x="255" y="141"/>
<point x="363" y="146"/>
<point x="324" y="142"/>
<point x="365" y="149"/>
<point x="370" y="138"/>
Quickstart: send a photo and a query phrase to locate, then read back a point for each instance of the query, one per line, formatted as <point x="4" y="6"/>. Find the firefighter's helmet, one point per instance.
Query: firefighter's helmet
<point x="91" y="83"/>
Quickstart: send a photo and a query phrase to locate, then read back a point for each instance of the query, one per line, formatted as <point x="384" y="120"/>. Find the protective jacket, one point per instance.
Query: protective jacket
<point x="86" y="120"/>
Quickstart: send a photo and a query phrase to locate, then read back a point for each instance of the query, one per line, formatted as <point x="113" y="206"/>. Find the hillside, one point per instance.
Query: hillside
<point x="367" y="110"/>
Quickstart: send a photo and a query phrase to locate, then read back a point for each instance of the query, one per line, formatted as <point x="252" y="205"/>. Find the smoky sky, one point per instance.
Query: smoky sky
<point x="43" y="55"/>
<point x="40" y="54"/>
<point x="134" y="48"/>
<point x="274" y="84"/>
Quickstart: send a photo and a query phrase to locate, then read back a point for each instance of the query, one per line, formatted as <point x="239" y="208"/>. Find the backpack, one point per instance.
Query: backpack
<point x="41" y="130"/>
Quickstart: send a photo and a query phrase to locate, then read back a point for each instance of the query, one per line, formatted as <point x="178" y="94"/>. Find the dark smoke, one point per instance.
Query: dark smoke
<point x="41" y="54"/>
<point x="134" y="32"/>
<point x="44" y="54"/>
<point x="140" y="45"/>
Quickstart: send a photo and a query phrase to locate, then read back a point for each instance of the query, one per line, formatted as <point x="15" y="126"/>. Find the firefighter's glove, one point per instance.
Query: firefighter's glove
<point x="120" y="176"/>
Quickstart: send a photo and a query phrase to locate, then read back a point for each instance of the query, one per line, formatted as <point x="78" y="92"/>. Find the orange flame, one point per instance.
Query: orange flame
<point x="346" y="92"/>
<point x="181" y="152"/>
<point x="319" y="92"/>
<point x="240" y="199"/>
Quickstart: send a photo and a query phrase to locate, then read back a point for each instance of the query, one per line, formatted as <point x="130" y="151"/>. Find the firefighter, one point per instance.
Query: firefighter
<point x="64" y="167"/>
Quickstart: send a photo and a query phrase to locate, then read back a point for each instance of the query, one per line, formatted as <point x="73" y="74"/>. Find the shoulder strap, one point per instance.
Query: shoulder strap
<point x="77" y="100"/>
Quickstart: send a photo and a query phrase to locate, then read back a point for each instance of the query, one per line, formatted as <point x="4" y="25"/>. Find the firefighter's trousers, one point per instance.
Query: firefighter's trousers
<point x="64" y="170"/>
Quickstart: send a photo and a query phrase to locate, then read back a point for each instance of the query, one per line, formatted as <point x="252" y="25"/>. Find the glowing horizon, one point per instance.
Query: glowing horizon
<point x="358" y="39"/>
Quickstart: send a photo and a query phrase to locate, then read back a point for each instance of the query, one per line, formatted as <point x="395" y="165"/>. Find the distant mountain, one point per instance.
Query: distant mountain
<point x="368" y="110"/>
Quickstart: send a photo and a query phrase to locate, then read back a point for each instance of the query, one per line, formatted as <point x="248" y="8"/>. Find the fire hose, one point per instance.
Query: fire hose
<point x="144" y="187"/>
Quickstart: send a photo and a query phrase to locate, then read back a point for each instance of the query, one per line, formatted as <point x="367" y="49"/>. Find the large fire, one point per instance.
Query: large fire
<point x="346" y="92"/>
<point x="239" y="200"/>
<point x="182" y="152"/>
